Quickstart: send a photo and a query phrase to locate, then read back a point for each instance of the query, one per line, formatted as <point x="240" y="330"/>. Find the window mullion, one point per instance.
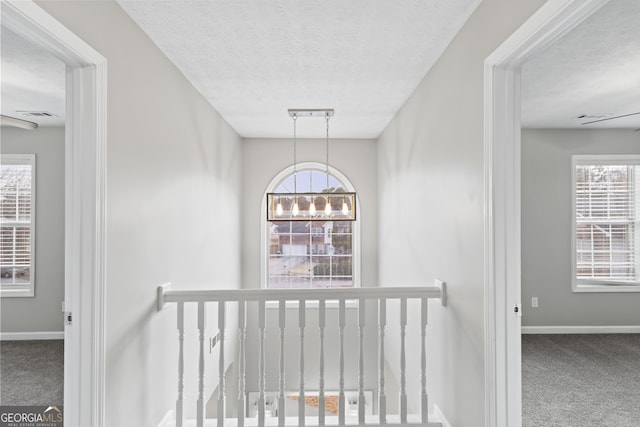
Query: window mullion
<point x="290" y="256"/>
<point x="13" y="253"/>
<point x="310" y="254"/>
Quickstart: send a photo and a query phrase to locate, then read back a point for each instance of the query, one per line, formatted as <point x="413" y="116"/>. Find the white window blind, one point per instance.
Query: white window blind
<point x="17" y="220"/>
<point x="606" y="214"/>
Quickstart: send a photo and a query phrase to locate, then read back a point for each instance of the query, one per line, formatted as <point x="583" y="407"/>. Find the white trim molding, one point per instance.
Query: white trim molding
<point x="19" y="290"/>
<point x="503" y="395"/>
<point x="621" y="329"/>
<point x="169" y="420"/>
<point x="29" y="336"/>
<point x="438" y="417"/>
<point x="593" y="284"/>
<point x="85" y="206"/>
<point x="289" y="170"/>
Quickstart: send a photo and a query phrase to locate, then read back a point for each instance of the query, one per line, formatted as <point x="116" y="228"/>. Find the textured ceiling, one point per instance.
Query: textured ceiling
<point x="255" y="59"/>
<point x="593" y="71"/>
<point x="33" y="80"/>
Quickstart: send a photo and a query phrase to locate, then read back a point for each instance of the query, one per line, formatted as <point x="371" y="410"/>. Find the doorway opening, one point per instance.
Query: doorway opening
<point x="32" y="238"/>
<point x="503" y="395"/>
<point x="84" y="206"/>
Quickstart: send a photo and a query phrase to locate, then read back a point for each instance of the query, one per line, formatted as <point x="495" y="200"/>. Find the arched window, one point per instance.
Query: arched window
<point x="310" y="253"/>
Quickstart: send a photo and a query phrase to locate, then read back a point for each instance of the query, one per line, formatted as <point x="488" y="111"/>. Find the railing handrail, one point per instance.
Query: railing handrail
<point x="243" y="296"/>
<point x="166" y="294"/>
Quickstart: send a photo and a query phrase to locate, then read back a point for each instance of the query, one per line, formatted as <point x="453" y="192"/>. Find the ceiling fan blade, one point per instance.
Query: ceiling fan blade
<point x="611" y="118"/>
<point x="18" y="123"/>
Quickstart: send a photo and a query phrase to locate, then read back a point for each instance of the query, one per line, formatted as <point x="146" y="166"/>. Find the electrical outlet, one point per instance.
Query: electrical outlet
<point x="534" y="302"/>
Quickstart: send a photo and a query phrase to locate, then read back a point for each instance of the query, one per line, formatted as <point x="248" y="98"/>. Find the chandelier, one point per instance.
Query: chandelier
<point x="330" y="204"/>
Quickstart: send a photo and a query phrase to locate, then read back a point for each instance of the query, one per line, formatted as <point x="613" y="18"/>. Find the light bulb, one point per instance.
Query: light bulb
<point x="327" y="208"/>
<point x="295" y="209"/>
<point x="279" y="209"/>
<point x="345" y="208"/>
<point x="312" y="208"/>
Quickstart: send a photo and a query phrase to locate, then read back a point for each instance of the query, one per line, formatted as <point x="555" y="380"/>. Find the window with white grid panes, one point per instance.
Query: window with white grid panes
<point x="606" y="213"/>
<point x="313" y="253"/>
<point x="17" y="224"/>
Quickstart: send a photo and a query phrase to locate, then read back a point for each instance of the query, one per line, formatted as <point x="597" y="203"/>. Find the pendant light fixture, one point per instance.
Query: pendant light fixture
<point x="302" y="206"/>
<point x="312" y="206"/>
<point x="296" y="208"/>
<point x="327" y="206"/>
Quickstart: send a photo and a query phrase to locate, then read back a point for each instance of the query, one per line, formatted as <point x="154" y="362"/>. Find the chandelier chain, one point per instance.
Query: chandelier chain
<point x="327" y="154"/>
<point x="295" y="157"/>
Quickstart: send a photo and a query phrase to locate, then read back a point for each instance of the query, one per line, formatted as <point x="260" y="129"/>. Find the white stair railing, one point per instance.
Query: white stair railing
<point x="381" y="296"/>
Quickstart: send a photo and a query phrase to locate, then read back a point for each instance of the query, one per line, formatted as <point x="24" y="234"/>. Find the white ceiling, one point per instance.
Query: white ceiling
<point x="33" y="80"/>
<point x="593" y="71"/>
<point x="255" y="59"/>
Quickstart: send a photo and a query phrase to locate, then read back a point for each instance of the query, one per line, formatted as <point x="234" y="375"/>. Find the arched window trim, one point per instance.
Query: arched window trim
<point x="300" y="167"/>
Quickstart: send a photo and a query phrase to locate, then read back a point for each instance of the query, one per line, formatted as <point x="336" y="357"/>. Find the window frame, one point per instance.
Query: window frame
<point x="587" y="285"/>
<point x="264" y="223"/>
<point x="27" y="289"/>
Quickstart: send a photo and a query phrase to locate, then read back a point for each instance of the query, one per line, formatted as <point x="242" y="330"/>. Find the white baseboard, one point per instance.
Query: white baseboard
<point x="439" y="416"/>
<point x="630" y="329"/>
<point x="167" y="420"/>
<point x="24" y="336"/>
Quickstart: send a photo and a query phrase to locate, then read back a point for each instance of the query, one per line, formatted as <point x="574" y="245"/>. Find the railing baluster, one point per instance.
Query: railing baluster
<point x="382" y="323"/>
<point x="341" y="400"/>
<point x="301" y="322"/>
<point x="361" y="325"/>
<point x="261" y="364"/>
<point x="281" y="398"/>
<point x="201" y="329"/>
<point x="321" y="324"/>
<point x="423" y="360"/>
<point x="242" y="335"/>
<point x="180" y="399"/>
<point x="221" y="389"/>
<point x="403" y="361"/>
<point x="260" y="297"/>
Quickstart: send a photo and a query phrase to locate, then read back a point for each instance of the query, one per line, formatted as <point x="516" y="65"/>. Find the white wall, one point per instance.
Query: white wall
<point x="546" y="230"/>
<point x="174" y="183"/>
<point x="430" y="164"/>
<point x="263" y="160"/>
<point x="43" y="312"/>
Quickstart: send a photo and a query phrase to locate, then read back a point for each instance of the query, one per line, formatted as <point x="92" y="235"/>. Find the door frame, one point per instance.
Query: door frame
<point x="85" y="203"/>
<point x="502" y="174"/>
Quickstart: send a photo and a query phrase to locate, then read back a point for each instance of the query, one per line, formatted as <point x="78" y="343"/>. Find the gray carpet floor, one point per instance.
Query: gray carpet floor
<point x="32" y="373"/>
<point x="567" y="380"/>
<point x="581" y="380"/>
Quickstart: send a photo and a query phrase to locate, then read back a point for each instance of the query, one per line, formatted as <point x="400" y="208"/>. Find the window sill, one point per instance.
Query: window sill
<point x="16" y="293"/>
<point x="603" y="288"/>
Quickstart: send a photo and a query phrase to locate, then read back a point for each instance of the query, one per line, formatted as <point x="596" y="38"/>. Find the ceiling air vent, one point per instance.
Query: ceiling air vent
<point x="36" y="113"/>
<point x="593" y="116"/>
